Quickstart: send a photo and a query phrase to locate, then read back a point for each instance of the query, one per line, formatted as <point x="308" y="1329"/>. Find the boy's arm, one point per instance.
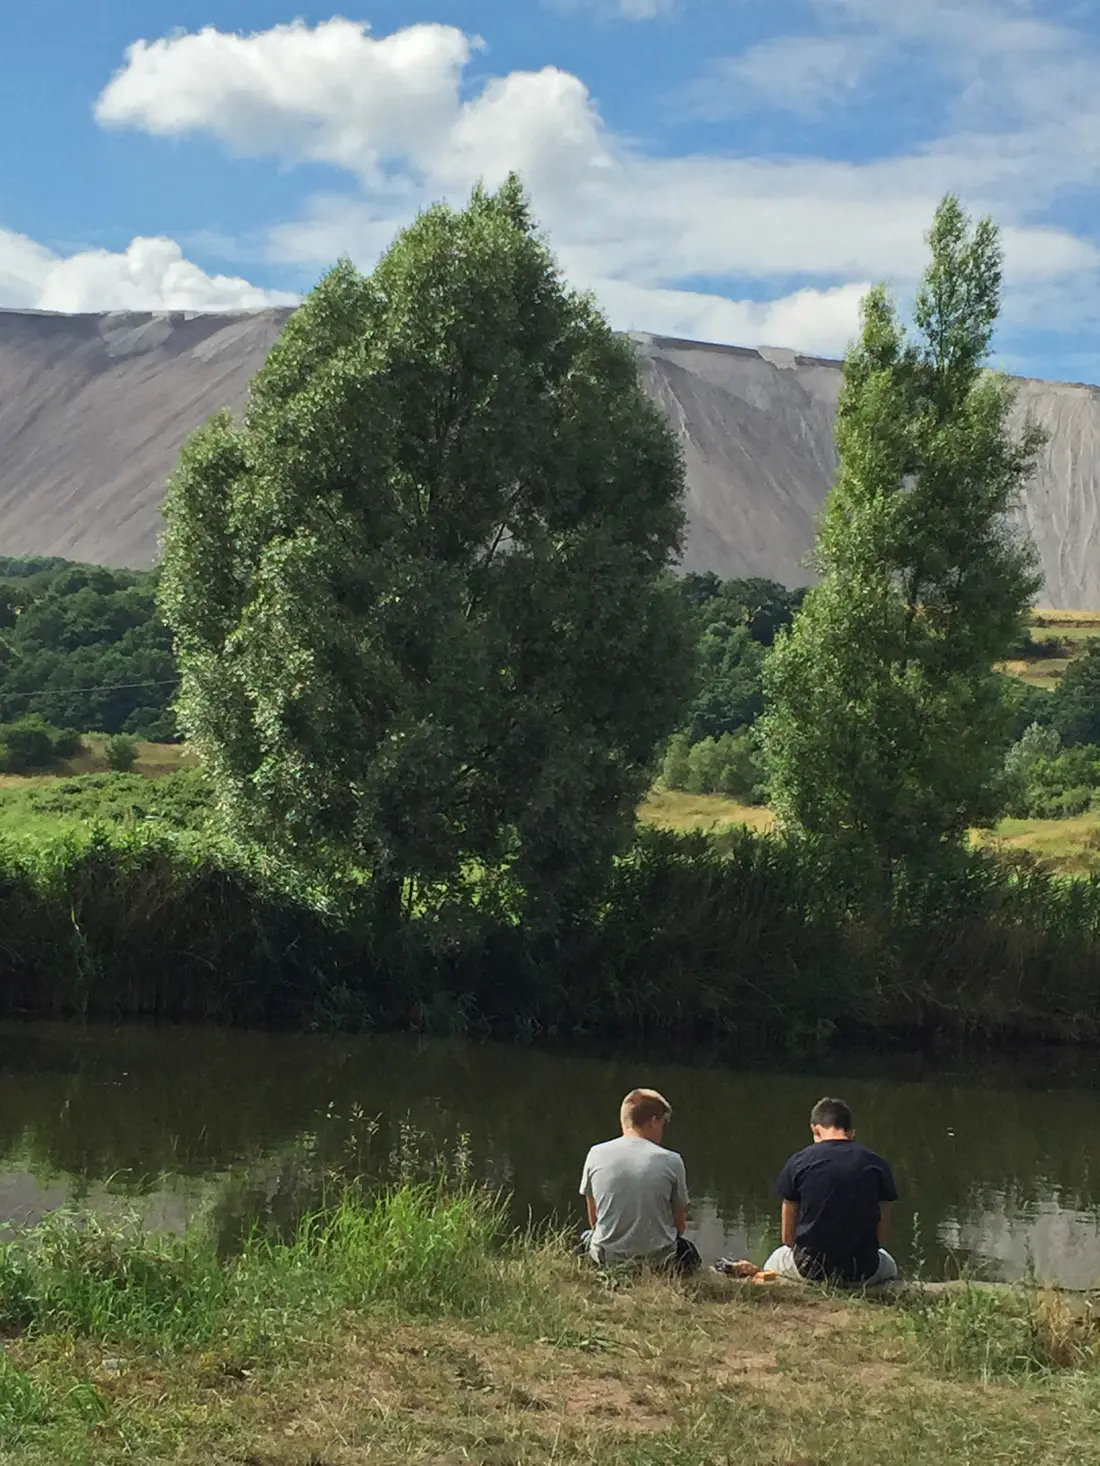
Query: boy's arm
<point x="884" y="1208"/>
<point x="788" y="1223"/>
<point x="586" y="1190"/>
<point x="680" y="1199"/>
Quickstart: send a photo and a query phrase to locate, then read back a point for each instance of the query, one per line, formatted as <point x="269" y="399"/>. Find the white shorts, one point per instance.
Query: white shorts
<point x="782" y="1262"/>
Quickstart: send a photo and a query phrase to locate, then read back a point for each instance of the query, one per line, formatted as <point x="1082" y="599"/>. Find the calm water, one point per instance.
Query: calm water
<point x="995" y="1164"/>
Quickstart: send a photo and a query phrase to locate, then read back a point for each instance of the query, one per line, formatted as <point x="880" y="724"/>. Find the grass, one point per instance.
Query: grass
<point x="41" y="808"/>
<point x="671" y="809"/>
<point x="154" y="760"/>
<point x="411" y="1330"/>
<point x="1044" y="672"/>
<point x="1042" y="617"/>
<point x="1068" y="846"/>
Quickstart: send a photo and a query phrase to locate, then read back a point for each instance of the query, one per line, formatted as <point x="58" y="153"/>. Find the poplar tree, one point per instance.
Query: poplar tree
<point x="886" y="723"/>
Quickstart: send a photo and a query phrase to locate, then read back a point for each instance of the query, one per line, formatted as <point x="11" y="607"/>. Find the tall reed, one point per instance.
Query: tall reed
<point x="746" y="937"/>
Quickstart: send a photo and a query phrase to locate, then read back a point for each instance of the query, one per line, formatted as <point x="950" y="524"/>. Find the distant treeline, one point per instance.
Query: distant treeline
<point x="82" y="647"/>
<point x="1052" y="753"/>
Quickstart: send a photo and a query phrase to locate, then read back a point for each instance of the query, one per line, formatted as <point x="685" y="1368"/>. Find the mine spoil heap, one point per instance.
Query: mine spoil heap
<point x="94" y="409"/>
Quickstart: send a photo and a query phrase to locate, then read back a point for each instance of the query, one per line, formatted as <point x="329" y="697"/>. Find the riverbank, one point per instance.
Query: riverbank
<point x="417" y="1330"/>
<point x="745" y="939"/>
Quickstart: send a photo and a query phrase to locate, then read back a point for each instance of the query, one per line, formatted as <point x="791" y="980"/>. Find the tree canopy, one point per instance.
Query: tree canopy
<point x="887" y="725"/>
<point x="82" y="646"/>
<point x="417" y="594"/>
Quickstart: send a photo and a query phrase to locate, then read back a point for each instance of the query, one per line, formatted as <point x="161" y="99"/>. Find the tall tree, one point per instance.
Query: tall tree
<point x="1073" y="708"/>
<point x="886" y="723"/>
<point x="418" y="593"/>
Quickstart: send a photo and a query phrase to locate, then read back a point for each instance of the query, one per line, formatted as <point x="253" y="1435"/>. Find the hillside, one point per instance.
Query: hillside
<point x="757" y="429"/>
<point x="93" y="410"/>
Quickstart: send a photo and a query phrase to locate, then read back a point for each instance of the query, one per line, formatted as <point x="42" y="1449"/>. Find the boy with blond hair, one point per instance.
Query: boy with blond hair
<point x="636" y="1191"/>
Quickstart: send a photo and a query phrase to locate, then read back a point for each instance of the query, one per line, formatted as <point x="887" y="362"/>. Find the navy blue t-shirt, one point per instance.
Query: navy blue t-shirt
<point x="838" y="1186"/>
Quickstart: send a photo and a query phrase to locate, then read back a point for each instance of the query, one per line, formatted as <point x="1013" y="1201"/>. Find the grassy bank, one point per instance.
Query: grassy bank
<point x="414" y="1330"/>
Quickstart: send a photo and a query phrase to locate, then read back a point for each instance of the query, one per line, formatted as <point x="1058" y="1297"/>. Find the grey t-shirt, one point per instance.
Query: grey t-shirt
<point x="635" y="1185"/>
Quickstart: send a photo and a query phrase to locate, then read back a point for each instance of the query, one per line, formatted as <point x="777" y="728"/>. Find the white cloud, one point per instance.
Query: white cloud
<point x="622" y="9"/>
<point x="645" y="230"/>
<point x="644" y="9"/>
<point x="817" y="322"/>
<point x="790" y="73"/>
<point x="152" y="274"/>
<point x="331" y="93"/>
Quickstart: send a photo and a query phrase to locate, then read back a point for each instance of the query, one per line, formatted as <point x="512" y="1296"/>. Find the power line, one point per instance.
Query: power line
<point x="80" y="691"/>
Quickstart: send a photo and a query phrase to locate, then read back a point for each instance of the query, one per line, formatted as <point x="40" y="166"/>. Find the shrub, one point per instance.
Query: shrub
<point x="1046" y="782"/>
<point x="31" y="743"/>
<point x="676" y="767"/>
<point x="729" y="765"/>
<point x="121" y="752"/>
<point x="1075" y="702"/>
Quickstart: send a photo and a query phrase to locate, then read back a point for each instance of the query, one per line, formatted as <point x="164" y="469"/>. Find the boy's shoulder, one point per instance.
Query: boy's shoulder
<point x="799" y="1157"/>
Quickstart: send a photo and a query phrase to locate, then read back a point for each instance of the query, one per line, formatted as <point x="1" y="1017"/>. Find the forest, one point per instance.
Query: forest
<point x="82" y="647"/>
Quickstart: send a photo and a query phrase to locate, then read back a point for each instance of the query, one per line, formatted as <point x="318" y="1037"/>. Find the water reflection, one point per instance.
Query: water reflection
<point x="994" y="1163"/>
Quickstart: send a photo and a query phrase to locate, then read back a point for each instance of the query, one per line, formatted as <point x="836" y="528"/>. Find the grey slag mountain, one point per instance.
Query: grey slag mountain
<point x="94" y="409"/>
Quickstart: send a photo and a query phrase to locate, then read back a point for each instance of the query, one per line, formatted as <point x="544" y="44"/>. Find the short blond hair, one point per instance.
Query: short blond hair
<point x="641" y="1106"/>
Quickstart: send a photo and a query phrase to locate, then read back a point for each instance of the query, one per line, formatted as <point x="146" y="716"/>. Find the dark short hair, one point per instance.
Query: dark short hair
<point x="831" y="1114"/>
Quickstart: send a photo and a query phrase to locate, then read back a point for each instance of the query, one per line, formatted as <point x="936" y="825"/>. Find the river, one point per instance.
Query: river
<point x="993" y="1160"/>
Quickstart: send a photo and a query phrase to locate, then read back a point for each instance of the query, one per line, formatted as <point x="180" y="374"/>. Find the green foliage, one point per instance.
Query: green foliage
<point x="1075" y="702"/>
<point x="30" y="744"/>
<point x="1047" y="782"/>
<point x="886" y="725"/>
<point x="418" y="1249"/>
<point x="993" y="1334"/>
<point x="763" y="607"/>
<point x="728" y="765"/>
<point x="83" y="646"/>
<point x="179" y="801"/>
<point x="676" y="765"/>
<point x="737" y="621"/>
<point x="746" y="938"/>
<point x="731" y="673"/>
<point x="29" y="1405"/>
<point x="1037" y="742"/>
<point x="120" y="752"/>
<point x="1026" y="706"/>
<point x="418" y="595"/>
<point x="78" y="1275"/>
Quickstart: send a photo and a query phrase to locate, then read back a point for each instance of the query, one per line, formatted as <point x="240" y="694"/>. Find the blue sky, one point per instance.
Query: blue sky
<point x="722" y="169"/>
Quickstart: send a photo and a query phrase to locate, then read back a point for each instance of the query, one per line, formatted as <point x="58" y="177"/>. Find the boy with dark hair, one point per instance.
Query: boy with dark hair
<point x="836" y="1198"/>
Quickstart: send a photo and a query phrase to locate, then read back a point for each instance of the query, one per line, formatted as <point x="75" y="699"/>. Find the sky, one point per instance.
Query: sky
<point x="724" y="170"/>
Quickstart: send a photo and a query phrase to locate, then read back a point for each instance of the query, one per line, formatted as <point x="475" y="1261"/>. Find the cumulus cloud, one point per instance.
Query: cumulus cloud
<point x="331" y="93"/>
<point x="817" y="322"/>
<point x="658" y="237"/>
<point x="152" y="274"/>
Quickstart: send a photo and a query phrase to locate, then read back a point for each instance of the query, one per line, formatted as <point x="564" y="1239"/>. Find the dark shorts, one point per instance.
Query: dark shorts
<point x="687" y="1259"/>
